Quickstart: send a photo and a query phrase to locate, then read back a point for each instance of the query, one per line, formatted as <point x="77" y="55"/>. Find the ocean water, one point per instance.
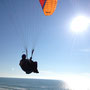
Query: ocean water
<point x="31" y="84"/>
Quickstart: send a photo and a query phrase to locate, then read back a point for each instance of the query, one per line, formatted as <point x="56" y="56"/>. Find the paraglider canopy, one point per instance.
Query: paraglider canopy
<point x="48" y="6"/>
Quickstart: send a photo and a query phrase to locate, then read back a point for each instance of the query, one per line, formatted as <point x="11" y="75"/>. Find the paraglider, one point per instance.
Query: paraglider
<point x="48" y="6"/>
<point x="28" y="65"/>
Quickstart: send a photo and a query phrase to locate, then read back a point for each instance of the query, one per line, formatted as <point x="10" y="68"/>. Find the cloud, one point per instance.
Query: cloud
<point x="46" y="72"/>
<point x="12" y="69"/>
<point x="85" y="50"/>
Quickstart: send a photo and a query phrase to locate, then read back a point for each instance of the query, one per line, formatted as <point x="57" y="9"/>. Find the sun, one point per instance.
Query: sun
<point x="79" y="24"/>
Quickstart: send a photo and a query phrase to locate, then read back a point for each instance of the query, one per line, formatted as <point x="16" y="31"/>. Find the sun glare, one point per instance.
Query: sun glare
<point x="79" y="24"/>
<point x="77" y="82"/>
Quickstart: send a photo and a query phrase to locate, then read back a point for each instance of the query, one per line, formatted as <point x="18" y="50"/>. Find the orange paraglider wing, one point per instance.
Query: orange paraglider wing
<point x="48" y="6"/>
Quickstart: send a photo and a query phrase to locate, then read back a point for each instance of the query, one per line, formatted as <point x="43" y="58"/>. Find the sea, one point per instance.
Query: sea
<point x="31" y="84"/>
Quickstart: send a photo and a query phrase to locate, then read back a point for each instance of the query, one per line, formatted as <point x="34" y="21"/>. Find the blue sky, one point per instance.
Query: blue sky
<point x="57" y="50"/>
